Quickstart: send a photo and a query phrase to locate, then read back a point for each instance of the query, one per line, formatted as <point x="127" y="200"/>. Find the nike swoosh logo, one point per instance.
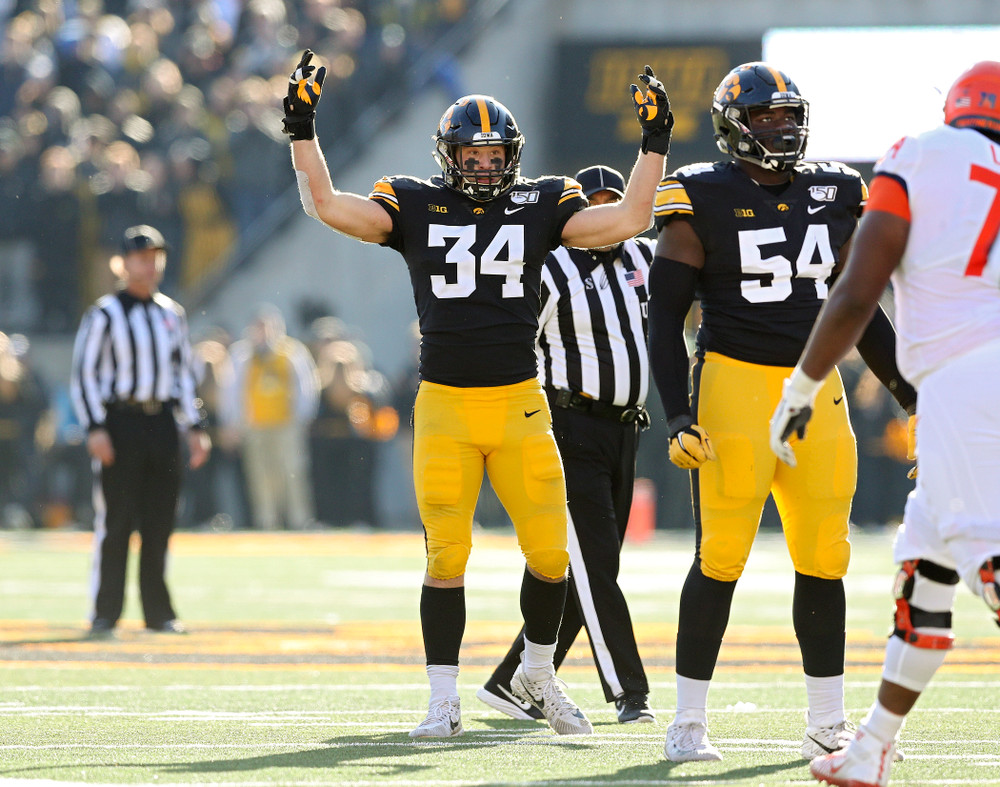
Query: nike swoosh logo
<point x="824" y="747"/>
<point x="509" y="211"/>
<point x="838" y="400"/>
<point x="814" y="209"/>
<point x="515" y="700"/>
<point x="528" y="415"/>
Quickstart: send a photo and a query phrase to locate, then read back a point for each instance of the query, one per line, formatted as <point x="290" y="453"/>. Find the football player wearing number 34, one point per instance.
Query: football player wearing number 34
<point x="760" y="237"/>
<point x="932" y="230"/>
<point x="474" y="239"/>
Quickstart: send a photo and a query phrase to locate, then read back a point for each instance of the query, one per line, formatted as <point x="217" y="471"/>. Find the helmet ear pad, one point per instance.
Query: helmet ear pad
<point x="478" y="121"/>
<point x="753" y="87"/>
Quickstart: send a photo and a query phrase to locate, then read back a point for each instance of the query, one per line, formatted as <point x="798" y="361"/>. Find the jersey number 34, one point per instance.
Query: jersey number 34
<point x="508" y="237"/>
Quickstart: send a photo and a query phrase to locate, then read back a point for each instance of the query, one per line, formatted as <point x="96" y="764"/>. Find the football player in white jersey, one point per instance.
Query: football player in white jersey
<point x="931" y="227"/>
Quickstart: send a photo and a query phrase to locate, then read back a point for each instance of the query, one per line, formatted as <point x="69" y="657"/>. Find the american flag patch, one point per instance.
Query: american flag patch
<point x="963" y="101"/>
<point x="634" y="278"/>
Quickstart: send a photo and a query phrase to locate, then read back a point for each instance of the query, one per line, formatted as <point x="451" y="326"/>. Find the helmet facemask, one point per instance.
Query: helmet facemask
<point x="478" y="121"/>
<point x="478" y="184"/>
<point x="749" y="89"/>
<point x="778" y="150"/>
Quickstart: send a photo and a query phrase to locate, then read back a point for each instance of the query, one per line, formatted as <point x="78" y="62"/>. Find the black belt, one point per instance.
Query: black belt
<point x="144" y="406"/>
<point x="571" y="400"/>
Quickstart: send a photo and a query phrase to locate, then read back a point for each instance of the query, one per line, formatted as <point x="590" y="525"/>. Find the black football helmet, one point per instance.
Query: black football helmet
<point x="481" y="121"/>
<point x="754" y="86"/>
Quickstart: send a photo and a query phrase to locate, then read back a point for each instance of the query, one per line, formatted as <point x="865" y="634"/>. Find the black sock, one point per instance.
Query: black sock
<point x="442" y="619"/>
<point x="819" y="609"/>
<point x="542" y="607"/>
<point x="704" y="615"/>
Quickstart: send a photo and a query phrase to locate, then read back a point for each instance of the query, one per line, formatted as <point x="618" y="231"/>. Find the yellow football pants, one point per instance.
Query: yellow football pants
<point x="508" y="431"/>
<point x="734" y="403"/>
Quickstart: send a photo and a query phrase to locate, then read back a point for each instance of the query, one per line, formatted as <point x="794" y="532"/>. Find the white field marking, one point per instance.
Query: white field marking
<point x="429" y="783"/>
<point x="187" y="714"/>
<point x="471" y="687"/>
<point x="456" y="783"/>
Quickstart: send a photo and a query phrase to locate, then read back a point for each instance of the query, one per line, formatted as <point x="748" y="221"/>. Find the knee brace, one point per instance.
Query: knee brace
<point x="990" y="588"/>
<point x="549" y="563"/>
<point x="448" y="562"/>
<point x="932" y="588"/>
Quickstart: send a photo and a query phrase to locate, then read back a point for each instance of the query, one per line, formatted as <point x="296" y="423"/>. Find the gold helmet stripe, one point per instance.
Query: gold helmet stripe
<point x="484" y="115"/>
<point x="779" y="80"/>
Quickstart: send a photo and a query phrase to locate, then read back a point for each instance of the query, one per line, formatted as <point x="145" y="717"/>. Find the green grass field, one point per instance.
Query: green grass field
<point x="304" y="667"/>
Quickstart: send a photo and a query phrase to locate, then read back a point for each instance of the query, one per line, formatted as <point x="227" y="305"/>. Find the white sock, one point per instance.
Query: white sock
<point x="692" y="699"/>
<point x="826" y="700"/>
<point x="538" y="659"/>
<point x="883" y="724"/>
<point x="444" y="681"/>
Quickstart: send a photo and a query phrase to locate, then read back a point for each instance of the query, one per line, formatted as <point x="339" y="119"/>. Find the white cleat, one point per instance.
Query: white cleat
<point x="547" y="695"/>
<point x="826" y="740"/>
<point x="688" y="742"/>
<point x="864" y="762"/>
<point x="444" y="720"/>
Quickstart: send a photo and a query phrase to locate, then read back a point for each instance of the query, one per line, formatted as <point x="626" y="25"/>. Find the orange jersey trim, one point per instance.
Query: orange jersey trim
<point x="889" y="194"/>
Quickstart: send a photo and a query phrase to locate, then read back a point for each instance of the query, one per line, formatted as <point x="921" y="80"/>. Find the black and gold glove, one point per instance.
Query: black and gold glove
<point x="305" y="85"/>
<point x="653" y="111"/>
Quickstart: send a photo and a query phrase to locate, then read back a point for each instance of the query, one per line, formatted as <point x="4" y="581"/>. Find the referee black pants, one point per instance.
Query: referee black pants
<point x="598" y="456"/>
<point x="138" y="492"/>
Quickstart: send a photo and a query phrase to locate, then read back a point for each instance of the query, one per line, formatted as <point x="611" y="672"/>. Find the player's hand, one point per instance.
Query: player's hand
<point x="911" y="445"/>
<point x="199" y="447"/>
<point x="792" y="414"/>
<point x="305" y="86"/>
<point x="690" y="446"/>
<point x="99" y="446"/>
<point x="653" y="111"/>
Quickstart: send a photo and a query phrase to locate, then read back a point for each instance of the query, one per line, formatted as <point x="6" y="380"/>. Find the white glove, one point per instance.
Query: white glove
<point x="793" y="413"/>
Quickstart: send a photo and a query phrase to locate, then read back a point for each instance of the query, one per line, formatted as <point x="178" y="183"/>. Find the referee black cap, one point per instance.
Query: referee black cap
<point x="601" y="178"/>
<point x="140" y="237"/>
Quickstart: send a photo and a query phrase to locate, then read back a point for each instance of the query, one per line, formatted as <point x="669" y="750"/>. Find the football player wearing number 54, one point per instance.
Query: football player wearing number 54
<point x="475" y="239"/>
<point x="760" y="236"/>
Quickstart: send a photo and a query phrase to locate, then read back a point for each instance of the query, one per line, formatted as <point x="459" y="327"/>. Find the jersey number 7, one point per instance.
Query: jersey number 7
<point x="988" y="234"/>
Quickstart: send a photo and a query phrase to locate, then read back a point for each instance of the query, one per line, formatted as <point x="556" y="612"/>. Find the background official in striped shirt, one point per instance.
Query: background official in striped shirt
<point x="133" y="389"/>
<point x="594" y="365"/>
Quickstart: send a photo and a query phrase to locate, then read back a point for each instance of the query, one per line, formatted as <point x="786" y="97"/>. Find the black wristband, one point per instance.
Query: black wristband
<point x="656" y="142"/>
<point x="678" y="424"/>
<point x="300" y="127"/>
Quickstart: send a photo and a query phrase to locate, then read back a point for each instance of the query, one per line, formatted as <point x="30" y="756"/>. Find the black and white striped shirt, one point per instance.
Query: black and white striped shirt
<point x="592" y="325"/>
<point x="128" y="349"/>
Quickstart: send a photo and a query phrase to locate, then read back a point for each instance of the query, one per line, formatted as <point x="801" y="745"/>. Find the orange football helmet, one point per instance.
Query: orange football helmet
<point x="974" y="100"/>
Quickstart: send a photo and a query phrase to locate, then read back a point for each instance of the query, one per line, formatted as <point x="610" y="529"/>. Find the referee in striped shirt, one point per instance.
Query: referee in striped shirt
<point x="133" y="389"/>
<point x="593" y="362"/>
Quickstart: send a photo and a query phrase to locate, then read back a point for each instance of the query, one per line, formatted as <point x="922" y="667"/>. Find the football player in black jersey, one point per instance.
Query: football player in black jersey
<point x="759" y="237"/>
<point x="474" y="240"/>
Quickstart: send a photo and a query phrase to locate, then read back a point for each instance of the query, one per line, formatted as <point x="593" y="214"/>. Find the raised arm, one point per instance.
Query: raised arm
<point x="351" y="214"/>
<point x="605" y="225"/>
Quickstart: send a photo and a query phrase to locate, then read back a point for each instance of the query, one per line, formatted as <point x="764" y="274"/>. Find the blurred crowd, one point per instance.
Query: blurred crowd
<point x="167" y="112"/>
<point x="305" y="432"/>
<point x="308" y="433"/>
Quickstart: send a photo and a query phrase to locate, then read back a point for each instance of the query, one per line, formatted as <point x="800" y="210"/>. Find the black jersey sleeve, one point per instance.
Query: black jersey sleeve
<point x="384" y="192"/>
<point x="570" y="201"/>
<point x="671" y="291"/>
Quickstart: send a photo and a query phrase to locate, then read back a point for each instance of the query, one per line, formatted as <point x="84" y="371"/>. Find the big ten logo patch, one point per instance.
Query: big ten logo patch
<point x="689" y="74"/>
